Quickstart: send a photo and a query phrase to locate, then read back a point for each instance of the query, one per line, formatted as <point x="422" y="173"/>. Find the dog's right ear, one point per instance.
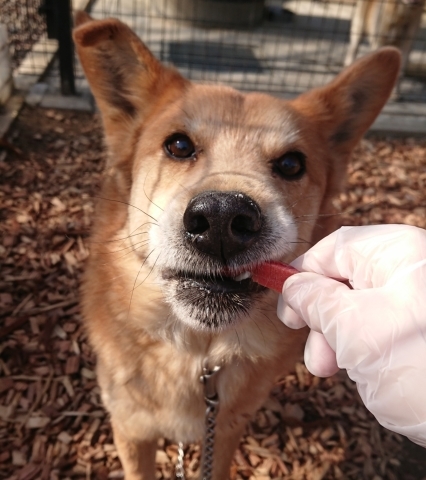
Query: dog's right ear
<point x="125" y="78"/>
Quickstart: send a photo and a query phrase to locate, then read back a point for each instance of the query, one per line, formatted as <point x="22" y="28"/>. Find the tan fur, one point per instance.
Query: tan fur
<point x="385" y="22"/>
<point x="149" y="357"/>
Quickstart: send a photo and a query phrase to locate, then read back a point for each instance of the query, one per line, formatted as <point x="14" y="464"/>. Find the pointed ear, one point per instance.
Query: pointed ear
<point x="125" y="78"/>
<point x="345" y="108"/>
<point x="341" y="112"/>
<point x="81" y="17"/>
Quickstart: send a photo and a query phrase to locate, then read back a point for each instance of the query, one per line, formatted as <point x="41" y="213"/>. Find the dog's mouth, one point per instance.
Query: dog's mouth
<point x="212" y="301"/>
<point x="223" y="283"/>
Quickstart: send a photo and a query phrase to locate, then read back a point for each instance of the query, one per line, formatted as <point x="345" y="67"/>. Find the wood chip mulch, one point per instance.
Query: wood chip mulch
<point x="52" y="423"/>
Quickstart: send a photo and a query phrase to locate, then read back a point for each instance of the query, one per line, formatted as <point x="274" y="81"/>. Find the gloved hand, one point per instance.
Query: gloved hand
<point x="377" y="331"/>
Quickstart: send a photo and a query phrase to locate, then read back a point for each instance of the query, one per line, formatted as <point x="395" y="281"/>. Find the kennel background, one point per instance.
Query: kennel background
<point x="286" y="53"/>
<point x="26" y="26"/>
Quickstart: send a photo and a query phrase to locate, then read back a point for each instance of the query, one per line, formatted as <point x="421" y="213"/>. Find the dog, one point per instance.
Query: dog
<point x="202" y="183"/>
<point x="385" y="22"/>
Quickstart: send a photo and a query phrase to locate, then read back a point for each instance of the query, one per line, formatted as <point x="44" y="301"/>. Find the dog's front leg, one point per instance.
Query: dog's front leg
<point x="137" y="458"/>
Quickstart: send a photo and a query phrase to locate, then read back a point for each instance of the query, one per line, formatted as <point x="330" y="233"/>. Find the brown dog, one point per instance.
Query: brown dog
<point x="385" y="22"/>
<point x="202" y="183"/>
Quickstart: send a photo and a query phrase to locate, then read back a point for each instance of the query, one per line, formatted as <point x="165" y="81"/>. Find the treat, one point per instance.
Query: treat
<point x="273" y="275"/>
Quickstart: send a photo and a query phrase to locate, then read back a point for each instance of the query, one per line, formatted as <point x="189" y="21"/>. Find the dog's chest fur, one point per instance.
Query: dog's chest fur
<point x="149" y="365"/>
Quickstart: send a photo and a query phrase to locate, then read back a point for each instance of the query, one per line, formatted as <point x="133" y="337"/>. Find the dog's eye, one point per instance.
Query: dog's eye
<point x="291" y="166"/>
<point x="179" y="146"/>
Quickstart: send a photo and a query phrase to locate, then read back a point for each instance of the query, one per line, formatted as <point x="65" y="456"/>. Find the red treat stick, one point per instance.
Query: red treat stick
<point x="273" y="275"/>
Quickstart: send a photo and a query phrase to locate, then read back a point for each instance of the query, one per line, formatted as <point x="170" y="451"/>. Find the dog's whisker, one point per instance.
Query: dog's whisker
<point x="118" y="239"/>
<point x="335" y="214"/>
<point x="128" y="204"/>
<point x="144" y="191"/>
<point x="302" y="240"/>
<point x="238" y="338"/>
<point x="298" y="200"/>
<point x="304" y="197"/>
<point x="117" y="276"/>
<point x="142" y="225"/>
<point x="266" y="311"/>
<point x="152" y="268"/>
<point x="183" y="187"/>
<point x="313" y="221"/>
<point x="132" y="247"/>
<point x="260" y="330"/>
<point x="185" y="331"/>
<point x="270" y="321"/>
<point x="136" y="279"/>
<point x="133" y="250"/>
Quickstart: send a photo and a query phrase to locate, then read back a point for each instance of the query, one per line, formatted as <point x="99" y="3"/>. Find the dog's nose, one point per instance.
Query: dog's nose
<point x="222" y="224"/>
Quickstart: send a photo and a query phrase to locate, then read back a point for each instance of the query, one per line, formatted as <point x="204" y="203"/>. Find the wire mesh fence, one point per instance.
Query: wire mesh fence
<point x="273" y="46"/>
<point x="30" y="48"/>
<point x="283" y="48"/>
<point x="25" y="26"/>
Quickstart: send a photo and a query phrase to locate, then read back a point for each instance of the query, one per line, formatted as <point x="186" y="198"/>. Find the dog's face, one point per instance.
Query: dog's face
<point x="219" y="181"/>
<point x="230" y="183"/>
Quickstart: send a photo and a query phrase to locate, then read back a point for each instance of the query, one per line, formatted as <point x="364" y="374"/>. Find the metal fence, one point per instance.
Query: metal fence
<point x="265" y="45"/>
<point x="25" y="26"/>
<point x="254" y="45"/>
<point x="31" y="45"/>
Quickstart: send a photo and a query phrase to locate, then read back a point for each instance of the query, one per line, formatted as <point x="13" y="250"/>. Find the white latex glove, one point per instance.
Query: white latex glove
<point x="377" y="331"/>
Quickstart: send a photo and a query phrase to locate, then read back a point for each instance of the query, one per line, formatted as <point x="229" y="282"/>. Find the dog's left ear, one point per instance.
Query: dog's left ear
<point x="344" y="109"/>
<point x="341" y="112"/>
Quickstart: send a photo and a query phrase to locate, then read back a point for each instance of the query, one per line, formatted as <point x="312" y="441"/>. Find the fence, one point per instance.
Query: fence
<point x="30" y="48"/>
<point x="255" y="44"/>
<point x="25" y="26"/>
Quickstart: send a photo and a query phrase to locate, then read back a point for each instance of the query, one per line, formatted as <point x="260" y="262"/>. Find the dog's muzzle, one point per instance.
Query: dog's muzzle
<point x="222" y="231"/>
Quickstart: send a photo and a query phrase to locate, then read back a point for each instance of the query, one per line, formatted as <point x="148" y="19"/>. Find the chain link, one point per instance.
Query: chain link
<point x="208" y="379"/>
<point x="208" y="443"/>
<point x="180" y="470"/>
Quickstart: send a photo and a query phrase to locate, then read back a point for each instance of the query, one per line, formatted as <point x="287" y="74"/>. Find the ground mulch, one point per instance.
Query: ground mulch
<point x="52" y="423"/>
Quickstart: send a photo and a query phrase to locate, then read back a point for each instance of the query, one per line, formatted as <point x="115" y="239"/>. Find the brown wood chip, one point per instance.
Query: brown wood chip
<point x="52" y="425"/>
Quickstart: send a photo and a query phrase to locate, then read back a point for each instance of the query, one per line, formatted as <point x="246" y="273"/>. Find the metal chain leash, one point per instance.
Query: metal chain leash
<point x="211" y="398"/>
<point x="208" y="443"/>
<point x="209" y="380"/>
<point x="180" y="470"/>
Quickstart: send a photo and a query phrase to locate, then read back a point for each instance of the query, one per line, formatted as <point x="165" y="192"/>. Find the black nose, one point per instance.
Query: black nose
<point x="222" y="224"/>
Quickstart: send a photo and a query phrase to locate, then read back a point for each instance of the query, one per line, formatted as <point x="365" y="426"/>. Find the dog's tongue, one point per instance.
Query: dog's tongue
<point x="273" y="274"/>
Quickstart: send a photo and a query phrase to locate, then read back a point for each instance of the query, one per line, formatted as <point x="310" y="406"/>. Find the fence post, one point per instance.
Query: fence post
<point x="58" y="25"/>
<point x="62" y="12"/>
<point x="6" y="82"/>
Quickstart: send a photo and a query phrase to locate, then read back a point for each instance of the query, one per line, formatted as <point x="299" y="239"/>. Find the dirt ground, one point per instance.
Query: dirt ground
<point x="52" y="423"/>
